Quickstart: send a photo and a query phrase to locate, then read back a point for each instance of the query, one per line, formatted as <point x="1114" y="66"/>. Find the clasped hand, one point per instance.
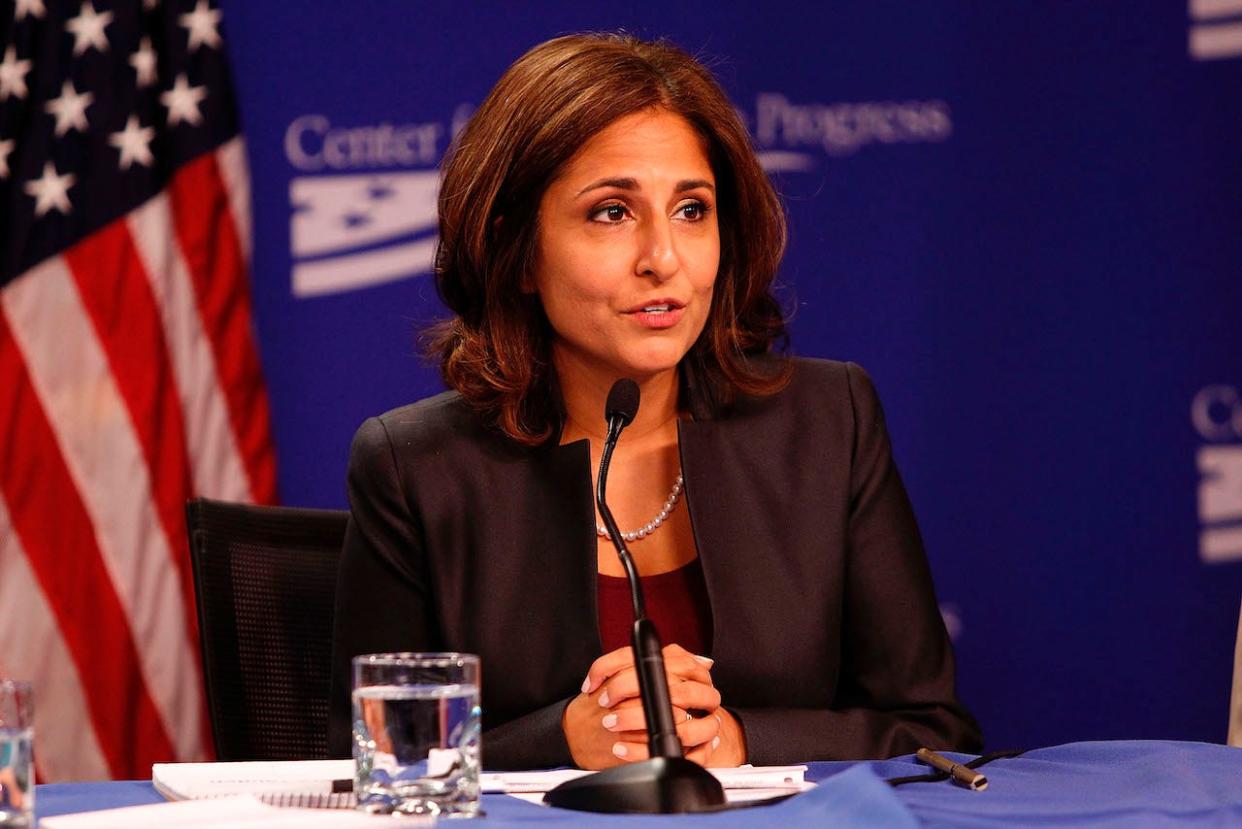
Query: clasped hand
<point x="604" y="724"/>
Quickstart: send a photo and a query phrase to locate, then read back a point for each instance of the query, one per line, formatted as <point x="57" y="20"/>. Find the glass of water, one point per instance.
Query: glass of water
<point x="16" y="754"/>
<point x="416" y="733"/>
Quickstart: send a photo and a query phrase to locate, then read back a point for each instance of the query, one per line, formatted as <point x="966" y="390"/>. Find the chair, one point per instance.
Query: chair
<point x="265" y="580"/>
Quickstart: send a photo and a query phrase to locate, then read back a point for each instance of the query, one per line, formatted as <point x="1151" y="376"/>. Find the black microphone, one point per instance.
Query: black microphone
<point x="662" y="739"/>
<point x="668" y="782"/>
<point x="622" y="405"/>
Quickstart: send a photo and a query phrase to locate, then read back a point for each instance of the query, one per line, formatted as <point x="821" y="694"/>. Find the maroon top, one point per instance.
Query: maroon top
<point x="676" y="602"/>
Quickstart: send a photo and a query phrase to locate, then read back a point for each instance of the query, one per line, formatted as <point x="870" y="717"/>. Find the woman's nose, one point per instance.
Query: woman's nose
<point x="657" y="255"/>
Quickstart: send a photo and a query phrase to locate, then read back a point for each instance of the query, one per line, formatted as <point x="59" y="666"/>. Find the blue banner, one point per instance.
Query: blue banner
<point x="1022" y="219"/>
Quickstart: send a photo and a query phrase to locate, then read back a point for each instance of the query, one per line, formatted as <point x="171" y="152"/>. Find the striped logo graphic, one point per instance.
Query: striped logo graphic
<point x="1215" y="29"/>
<point x="354" y="231"/>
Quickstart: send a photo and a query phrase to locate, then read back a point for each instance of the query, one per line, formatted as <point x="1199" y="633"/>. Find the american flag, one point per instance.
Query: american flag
<point x="129" y="375"/>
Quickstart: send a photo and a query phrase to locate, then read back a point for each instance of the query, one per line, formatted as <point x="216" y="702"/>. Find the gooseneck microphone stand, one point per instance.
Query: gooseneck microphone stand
<point x="668" y="782"/>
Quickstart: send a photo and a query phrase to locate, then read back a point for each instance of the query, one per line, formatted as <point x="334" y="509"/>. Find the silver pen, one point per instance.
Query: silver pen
<point x="969" y="778"/>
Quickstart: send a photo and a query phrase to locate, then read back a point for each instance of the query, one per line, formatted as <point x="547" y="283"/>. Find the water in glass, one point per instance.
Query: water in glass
<point x="416" y="748"/>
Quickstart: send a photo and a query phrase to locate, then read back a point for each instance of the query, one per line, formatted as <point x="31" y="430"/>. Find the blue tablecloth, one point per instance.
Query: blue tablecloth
<point x="1111" y="784"/>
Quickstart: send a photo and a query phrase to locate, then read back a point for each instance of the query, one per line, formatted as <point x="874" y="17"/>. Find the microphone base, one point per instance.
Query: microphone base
<point x="661" y="785"/>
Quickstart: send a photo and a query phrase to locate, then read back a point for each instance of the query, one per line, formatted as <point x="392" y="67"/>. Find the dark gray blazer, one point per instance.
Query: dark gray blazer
<point x="827" y="637"/>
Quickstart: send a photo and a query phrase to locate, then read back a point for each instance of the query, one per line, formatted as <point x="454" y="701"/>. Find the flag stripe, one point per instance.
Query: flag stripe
<point x="80" y="399"/>
<point x="209" y="242"/>
<point x="215" y="462"/>
<point x="231" y="158"/>
<point x="59" y="539"/>
<point x="31" y="645"/>
<point x="117" y="296"/>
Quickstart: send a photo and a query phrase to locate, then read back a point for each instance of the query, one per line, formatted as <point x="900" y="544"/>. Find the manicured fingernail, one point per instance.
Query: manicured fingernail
<point x="603" y="700"/>
<point x="586" y="685"/>
<point x="619" y="750"/>
<point x="706" y="660"/>
<point x="610" y="720"/>
<point x="715" y="743"/>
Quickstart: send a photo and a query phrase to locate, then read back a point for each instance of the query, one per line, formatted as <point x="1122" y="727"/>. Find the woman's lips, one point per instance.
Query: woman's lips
<point x="657" y="316"/>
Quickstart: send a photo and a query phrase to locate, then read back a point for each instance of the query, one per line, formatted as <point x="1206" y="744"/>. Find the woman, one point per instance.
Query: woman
<point x="603" y="216"/>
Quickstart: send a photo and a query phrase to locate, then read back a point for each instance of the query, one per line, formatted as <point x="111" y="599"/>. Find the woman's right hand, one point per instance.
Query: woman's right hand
<point x="610" y="694"/>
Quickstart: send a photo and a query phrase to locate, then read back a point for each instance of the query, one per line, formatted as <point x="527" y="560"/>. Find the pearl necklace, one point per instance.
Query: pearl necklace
<point x="651" y="526"/>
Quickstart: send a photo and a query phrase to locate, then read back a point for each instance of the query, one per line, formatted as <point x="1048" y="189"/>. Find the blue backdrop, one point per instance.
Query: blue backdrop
<point x="1024" y="219"/>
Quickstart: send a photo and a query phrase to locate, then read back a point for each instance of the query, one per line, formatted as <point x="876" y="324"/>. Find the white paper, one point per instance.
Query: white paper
<point x="197" y="781"/>
<point x="189" y="781"/>
<point x="235" y="812"/>
<point x="785" y="778"/>
<point x="731" y="795"/>
<point x="193" y="781"/>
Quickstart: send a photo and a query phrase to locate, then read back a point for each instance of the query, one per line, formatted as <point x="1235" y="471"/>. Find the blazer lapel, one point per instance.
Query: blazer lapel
<point x="739" y="500"/>
<point x="709" y="501"/>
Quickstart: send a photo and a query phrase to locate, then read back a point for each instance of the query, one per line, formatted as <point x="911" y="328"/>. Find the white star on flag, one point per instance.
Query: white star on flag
<point x="201" y="24"/>
<point x="70" y="109"/>
<point x="143" y="62"/>
<point x="51" y="190"/>
<point x="34" y="8"/>
<point x="13" y="75"/>
<point x="6" y="149"/>
<point x="182" y="102"/>
<point x="134" y="142"/>
<point x="88" y="29"/>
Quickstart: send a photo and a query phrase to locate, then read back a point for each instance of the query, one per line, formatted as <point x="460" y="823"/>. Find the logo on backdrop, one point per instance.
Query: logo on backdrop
<point x="793" y="136"/>
<point x="1215" y="29"/>
<point x="360" y="216"/>
<point x="1216" y="413"/>
<point x="363" y="205"/>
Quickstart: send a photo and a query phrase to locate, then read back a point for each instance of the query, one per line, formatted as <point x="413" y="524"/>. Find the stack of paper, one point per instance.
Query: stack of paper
<point x="239" y="812"/>
<point x="259" y="795"/>
<point x="309" y="783"/>
<point x="743" y="783"/>
<point x="195" y="781"/>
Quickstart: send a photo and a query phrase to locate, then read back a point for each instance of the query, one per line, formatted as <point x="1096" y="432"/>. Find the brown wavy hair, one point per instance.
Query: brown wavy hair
<point x="496" y="351"/>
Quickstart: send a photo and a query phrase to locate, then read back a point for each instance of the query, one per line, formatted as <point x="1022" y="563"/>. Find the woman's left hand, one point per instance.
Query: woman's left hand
<point x="708" y="732"/>
<point x="713" y="739"/>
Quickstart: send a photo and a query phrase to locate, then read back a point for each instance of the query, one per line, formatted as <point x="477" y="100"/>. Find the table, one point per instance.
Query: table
<point x="1112" y="784"/>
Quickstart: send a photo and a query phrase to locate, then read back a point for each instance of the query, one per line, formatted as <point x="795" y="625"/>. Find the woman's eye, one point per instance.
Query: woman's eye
<point x="693" y="211"/>
<point x="610" y="213"/>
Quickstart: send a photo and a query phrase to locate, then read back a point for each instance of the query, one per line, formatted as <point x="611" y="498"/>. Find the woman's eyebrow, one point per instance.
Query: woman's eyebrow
<point x="632" y="184"/>
<point x="619" y="183"/>
<point x="694" y="184"/>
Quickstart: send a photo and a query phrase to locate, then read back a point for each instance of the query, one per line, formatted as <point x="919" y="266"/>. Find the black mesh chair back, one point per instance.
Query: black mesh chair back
<point x="265" y="580"/>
